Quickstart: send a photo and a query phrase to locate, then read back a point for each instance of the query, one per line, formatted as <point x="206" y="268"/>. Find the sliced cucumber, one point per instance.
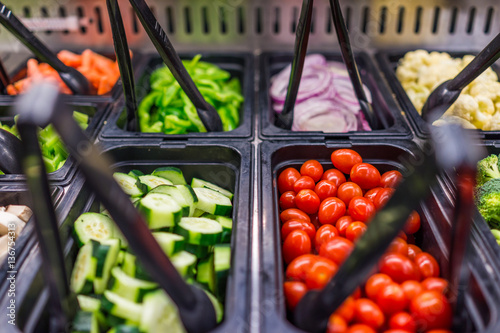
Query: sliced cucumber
<point x="196" y="182"/>
<point x="124" y="329"/>
<point x="176" y="195"/>
<point x="153" y="181"/>
<point x="171" y="173"/>
<point x="85" y="322"/>
<point x="227" y="226"/>
<point x="88" y="303"/>
<point x="185" y="263"/>
<point x="219" y="309"/>
<point x="133" y="269"/>
<point x="200" y="251"/>
<point x="160" y="314"/>
<point x="93" y="226"/>
<point x="212" y="202"/>
<point x="199" y="230"/>
<point x="198" y="213"/>
<point x="129" y="287"/>
<point x="169" y="242"/>
<point x="106" y="254"/>
<point x="190" y="197"/>
<point x="135" y="173"/>
<point x="130" y="185"/>
<point x="83" y="275"/>
<point x="205" y="274"/>
<point x="160" y="210"/>
<point x="222" y="265"/>
<point x="121" y="307"/>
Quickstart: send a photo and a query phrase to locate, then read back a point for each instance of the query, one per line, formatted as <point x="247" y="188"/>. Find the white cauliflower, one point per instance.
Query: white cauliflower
<point x="478" y="106"/>
<point x="453" y="120"/>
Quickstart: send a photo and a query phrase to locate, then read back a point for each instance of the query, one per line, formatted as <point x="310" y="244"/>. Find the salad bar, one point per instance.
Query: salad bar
<point x="369" y="214"/>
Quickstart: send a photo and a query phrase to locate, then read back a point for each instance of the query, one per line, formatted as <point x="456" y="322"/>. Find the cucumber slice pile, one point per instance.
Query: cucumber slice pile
<point x="192" y="225"/>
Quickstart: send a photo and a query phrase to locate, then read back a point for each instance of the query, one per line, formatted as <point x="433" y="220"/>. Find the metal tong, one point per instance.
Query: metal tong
<point x="195" y="308"/>
<point x="450" y="148"/>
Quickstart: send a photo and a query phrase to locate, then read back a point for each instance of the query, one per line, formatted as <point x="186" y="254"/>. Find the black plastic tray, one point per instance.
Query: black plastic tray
<point x="240" y="65"/>
<point x="226" y="165"/>
<point x="392" y="123"/>
<point x="482" y="294"/>
<point x="388" y="62"/>
<point x="19" y="72"/>
<point x="63" y="175"/>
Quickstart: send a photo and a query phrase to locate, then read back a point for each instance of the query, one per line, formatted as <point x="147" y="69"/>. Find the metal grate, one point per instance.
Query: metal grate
<point x="270" y="24"/>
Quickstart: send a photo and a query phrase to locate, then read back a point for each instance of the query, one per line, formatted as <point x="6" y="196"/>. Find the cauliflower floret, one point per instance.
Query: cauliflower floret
<point x="488" y="89"/>
<point x="485" y="104"/>
<point x="464" y="107"/>
<point x="406" y="74"/>
<point x="418" y="95"/>
<point x="494" y="124"/>
<point x="453" y="120"/>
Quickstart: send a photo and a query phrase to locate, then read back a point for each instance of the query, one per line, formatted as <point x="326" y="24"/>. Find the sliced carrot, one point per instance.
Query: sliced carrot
<point x="70" y="59"/>
<point x="87" y="59"/>
<point x="105" y="86"/>
<point x="32" y="68"/>
<point x="11" y="90"/>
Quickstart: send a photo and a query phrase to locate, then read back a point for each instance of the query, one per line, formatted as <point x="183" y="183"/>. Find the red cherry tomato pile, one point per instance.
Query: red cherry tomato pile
<point x="322" y="215"/>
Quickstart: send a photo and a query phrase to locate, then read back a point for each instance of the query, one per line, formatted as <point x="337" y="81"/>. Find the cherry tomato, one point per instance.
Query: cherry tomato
<point x="361" y="209"/>
<point x="296" y="244"/>
<point x="291" y="225"/>
<point x="347" y="309"/>
<point x="365" y="175"/>
<point x="413" y="250"/>
<point x="347" y="191"/>
<point x="402" y="321"/>
<point x="392" y="299"/>
<point x="325" y="189"/>
<point x="304" y="183"/>
<point x="325" y="233"/>
<point x="368" y="313"/>
<point x="307" y="201"/>
<point x="382" y="197"/>
<point x="391" y="179"/>
<point x="294" y="291"/>
<point x="294" y="214"/>
<point x="337" y="250"/>
<point x="345" y="159"/>
<point x="330" y="210"/>
<point x="287" y="178"/>
<point x="357" y="293"/>
<point x="360" y="328"/>
<point x="298" y="268"/>
<point x="287" y="200"/>
<point x="313" y="169"/>
<point x="336" y="324"/>
<point x="399" y="268"/>
<point x="435" y="283"/>
<point x="320" y="273"/>
<point x="375" y="283"/>
<point x="439" y="331"/>
<point x="397" y="330"/>
<point x="402" y="235"/>
<point x="431" y="310"/>
<point x="411" y="288"/>
<point x="342" y="224"/>
<point x="335" y="176"/>
<point x="371" y="194"/>
<point x="427" y="265"/>
<point x="412" y="224"/>
<point x="398" y="245"/>
<point x="355" y="230"/>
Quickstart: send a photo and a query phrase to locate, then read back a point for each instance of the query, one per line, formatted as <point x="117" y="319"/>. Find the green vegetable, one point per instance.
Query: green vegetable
<point x="496" y="233"/>
<point x="487" y="169"/>
<point x="53" y="152"/>
<point x="167" y="109"/>
<point x="488" y="202"/>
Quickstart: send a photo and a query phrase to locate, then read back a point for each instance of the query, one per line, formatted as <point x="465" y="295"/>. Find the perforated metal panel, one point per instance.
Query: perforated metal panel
<point x="270" y="24"/>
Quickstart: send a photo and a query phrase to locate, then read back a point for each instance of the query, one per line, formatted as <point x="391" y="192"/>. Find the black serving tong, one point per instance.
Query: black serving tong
<point x="449" y="148"/>
<point x="285" y="118"/>
<point x="352" y="68"/>
<point x="75" y="80"/>
<point x="62" y="302"/>
<point x="195" y="308"/>
<point x="207" y="113"/>
<point x="124" y="63"/>
<point x="447" y="92"/>
<point x="10" y="153"/>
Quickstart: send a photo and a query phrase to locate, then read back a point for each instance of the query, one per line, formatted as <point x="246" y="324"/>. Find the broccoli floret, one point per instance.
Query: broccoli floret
<point x="488" y="202"/>
<point x="487" y="169"/>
